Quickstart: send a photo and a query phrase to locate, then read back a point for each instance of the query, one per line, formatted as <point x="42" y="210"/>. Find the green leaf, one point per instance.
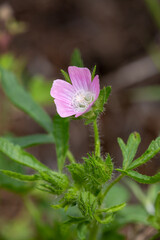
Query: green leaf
<point x="76" y="59"/>
<point x="152" y="150"/>
<point x="20" y="156"/>
<point x="129" y="150"/>
<point x="93" y="72"/>
<point x="61" y="136"/>
<point x="112" y="209"/>
<point x="157" y="208"/>
<point x="75" y="220"/>
<point x="5" y="181"/>
<point x="21" y="99"/>
<point x="32" y="140"/>
<point x="108" y="219"/>
<point x="20" y="176"/>
<point x="140" y="177"/>
<point x="66" y="76"/>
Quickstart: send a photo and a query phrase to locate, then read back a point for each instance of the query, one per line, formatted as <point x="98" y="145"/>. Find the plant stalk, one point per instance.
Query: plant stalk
<point x="96" y="139"/>
<point x="111" y="185"/>
<point x="70" y="157"/>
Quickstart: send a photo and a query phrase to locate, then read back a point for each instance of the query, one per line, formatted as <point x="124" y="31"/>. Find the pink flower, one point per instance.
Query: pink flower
<point x="76" y="98"/>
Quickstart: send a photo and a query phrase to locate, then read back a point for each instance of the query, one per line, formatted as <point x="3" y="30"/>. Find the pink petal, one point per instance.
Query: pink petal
<point x="63" y="108"/>
<point x="95" y="86"/>
<point x="62" y="90"/>
<point x="80" y="77"/>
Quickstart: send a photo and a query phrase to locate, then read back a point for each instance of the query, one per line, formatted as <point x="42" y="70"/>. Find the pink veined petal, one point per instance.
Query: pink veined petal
<point x="95" y="86"/>
<point x="62" y="90"/>
<point x="80" y="77"/>
<point x="63" y="108"/>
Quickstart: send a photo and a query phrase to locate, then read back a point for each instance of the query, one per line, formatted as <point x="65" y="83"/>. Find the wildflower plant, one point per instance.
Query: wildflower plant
<point x="85" y="185"/>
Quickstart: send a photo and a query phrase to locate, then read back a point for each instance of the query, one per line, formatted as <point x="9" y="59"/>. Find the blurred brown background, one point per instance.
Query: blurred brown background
<point x="120" y="37"/>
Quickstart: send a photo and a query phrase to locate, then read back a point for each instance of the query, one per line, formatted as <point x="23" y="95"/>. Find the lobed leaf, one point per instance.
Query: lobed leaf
<point x="140" y="177"/>
<point x="152" y="150"/>
<point x="129" y="150"/>
<point x="21" y="99"/>
<point x="61" y="136"/>
<point x="20" y="156"/>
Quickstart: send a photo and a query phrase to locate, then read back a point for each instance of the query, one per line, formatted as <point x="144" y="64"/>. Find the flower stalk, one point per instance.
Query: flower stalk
<point x="96" y="138"/>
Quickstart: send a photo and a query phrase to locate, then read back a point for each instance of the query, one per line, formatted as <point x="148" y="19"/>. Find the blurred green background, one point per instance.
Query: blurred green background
<point x="37" y="38"/>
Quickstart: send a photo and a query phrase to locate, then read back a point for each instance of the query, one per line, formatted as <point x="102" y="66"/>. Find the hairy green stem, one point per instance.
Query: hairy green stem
<point x="70" y="157"/>
<point x="93" y="231"/>
<point x="96" y="138"/>
<point x="111" y="185"/>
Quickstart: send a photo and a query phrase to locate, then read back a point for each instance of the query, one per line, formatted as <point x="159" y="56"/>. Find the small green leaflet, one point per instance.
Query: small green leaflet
<point x="20" y="176"/>
<point x="61" y="136"/>
<point x="66" y="76"/>
<point x="152" y="150"/>
<point x="140" y="177"/>
<point x="129" y="150"/>
<point x="108" y="219"/>
<point x="93" y="72"/>
<point x="20" y="156"/>
<point x="112" y="209"/>
<point x="32" y="140"/>
<point x="21" y="99"/>
<point x="76" y="59"/>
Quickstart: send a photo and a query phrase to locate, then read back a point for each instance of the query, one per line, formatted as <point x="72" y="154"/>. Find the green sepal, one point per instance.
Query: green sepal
<point x="93" y="72"/>
<point x="76" y="59"/>
<point x="66" y="76"/>
<point x="98" y="106"/>
<point x="140" y="177"/>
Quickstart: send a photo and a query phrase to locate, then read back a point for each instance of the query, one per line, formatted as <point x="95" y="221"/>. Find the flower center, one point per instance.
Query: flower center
<point x="81" y="100"/>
